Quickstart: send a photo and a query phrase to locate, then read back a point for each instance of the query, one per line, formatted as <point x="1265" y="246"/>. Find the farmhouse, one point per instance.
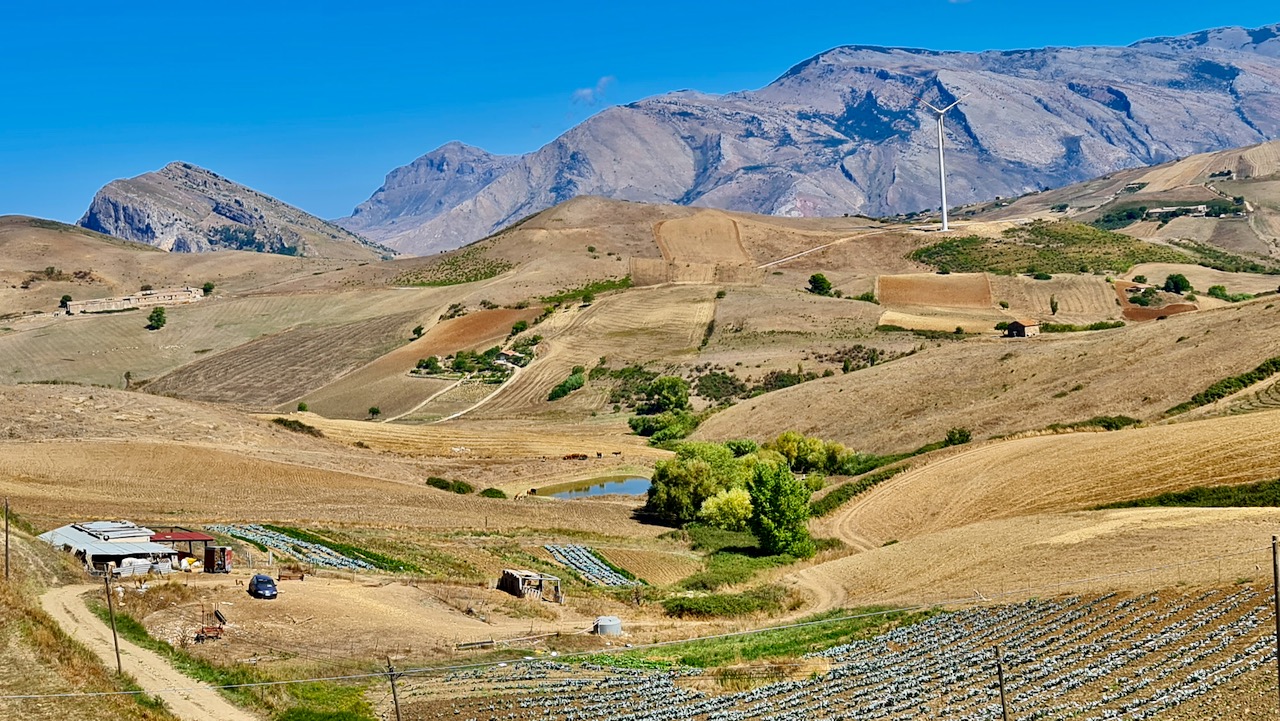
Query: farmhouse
<point x="121" y="548"/>
<point x="141" y="299"/>
<point x="1023" y="328"/>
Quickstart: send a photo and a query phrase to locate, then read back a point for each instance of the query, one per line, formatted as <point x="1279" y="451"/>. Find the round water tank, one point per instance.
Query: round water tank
<point x="608" y="626"/>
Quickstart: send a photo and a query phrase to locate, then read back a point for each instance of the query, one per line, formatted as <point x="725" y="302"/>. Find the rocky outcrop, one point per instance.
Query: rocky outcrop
<point x="842" y="133"/>
<point x="184" y="208"/>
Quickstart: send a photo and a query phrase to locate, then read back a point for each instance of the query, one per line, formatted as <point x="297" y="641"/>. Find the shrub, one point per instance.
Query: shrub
<point x="846" y="492"/>
<point x="298" y="426"/>
<point x="459" y="487"/>
<point x="430" y="364"/>
<point x="493" y="493"/>
<point x="868" y="297"/>
<point x="958" y="437"/>
<point x="374" y="411"/>
<point x="730" y="509"/>
<point x="719" y="386"/>
<point x="667" y="393"/>
<point x="819" y="285"/>
<point x="1177" y="283"/>
<point x="721" y="605"/>
<point x="669" y="426"/>
<point x="519" y="327"/>
<point x="156" y="320"/>
<point x="302" y="407"/>
<point x="1263" y="493"/>
<point x="575" y="381"/>
<point x="208" y="288"/>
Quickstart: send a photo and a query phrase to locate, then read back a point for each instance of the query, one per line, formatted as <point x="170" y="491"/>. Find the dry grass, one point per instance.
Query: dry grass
<point x="999" y="386"/>
<point x="956" y="290"/>
<point x="659" y="568"/>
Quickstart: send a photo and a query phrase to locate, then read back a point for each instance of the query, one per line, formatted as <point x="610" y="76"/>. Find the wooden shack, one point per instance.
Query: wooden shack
<point x="531" y="584"/>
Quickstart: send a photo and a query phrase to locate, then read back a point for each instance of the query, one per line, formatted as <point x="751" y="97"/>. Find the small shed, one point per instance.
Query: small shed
<point x="1023" y="328"/>
<point x="531" y="584"/>
<point x="178" y="538"/>
<point x="121" y="548"/>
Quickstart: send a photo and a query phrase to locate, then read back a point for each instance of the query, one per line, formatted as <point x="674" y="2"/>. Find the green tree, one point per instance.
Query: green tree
<point x="958" y="436"/>
<point x="1053" y="305"/>
<point x="682" y="484"/>
<point x="208" y="288"/>
<point x="667" y="393"/>
<point x="1177" y="283"/>
<point x="519" y="327"/>
<point x="156" y="320"/>
<point x="374" y="411"/>
<point x="417" y="331"/>
<point x="430" y="364"/>
<point x="819" y="285"/>
<point x="302" y="407"/>
<point x="1139" y="279"/>
<point x="780" y="511"/>
<point x="66" y="300"/>
<point x="145" y="287"/>
<point x="730" y="509"/>
<point x="588" y="298"/>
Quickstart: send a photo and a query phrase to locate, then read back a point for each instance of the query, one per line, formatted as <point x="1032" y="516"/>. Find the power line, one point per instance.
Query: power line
<point x="427" y="670"/>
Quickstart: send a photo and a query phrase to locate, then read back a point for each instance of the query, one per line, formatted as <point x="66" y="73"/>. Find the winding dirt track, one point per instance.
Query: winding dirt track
<point x="197" y="702"/>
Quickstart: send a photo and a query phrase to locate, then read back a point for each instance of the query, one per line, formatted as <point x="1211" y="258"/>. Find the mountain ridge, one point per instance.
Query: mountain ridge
<point x="839" y="132"/>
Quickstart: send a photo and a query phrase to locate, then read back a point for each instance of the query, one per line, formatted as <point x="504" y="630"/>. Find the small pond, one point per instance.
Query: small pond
<point x="620" y="485"/>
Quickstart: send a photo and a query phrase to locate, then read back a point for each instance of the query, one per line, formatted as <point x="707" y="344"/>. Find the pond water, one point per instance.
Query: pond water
<point x="624" y="485"/>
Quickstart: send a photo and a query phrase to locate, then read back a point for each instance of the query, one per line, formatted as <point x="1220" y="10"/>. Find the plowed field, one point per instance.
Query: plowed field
<point x="956" y="290"/>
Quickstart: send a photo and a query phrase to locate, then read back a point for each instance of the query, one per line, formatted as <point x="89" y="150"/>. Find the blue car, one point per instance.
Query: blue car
<point x="264" y="587"/>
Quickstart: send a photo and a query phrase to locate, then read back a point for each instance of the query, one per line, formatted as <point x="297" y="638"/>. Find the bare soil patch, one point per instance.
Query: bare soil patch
<point x="955" y="290"/>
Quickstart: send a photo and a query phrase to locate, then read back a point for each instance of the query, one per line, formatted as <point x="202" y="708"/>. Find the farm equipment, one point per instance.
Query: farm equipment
<point x="211" y="624"/>
<point x="217" y="559"/>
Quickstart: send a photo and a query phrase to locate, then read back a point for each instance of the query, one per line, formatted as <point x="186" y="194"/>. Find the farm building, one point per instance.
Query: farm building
<point x="119" y="547"/>
<point x="531" y="584"/>
<point x="1023" y="328"/>
<point x="182" y="540"/>
<point x="141" y="299"/>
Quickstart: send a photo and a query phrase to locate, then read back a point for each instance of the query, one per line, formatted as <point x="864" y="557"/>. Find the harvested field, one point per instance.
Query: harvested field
<point x="285" y="366"/>
<point x="659" y="568"/>
<point x="1082" y="299"/>
<point x="708" y="236"/>
<point x="1203" y="278"/>
<point x="1002" y="386"/>
<point x="61" y="480"/>
<point x="636" y="326"/>
<point x="386" y="382"/>
<point x="747" y="317"/>
<point x="945" y="319"/>
<point x="1130" y="311"/>
<point x="1070" y="472"/>
<point x="1050" y="554"/>
<point x="955" y="290"/>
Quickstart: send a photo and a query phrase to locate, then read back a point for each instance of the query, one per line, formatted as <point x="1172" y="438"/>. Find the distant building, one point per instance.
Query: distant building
<point x="1023" y="328"/>
<point x="121" y="548"/>
<point x="141" y="299"/>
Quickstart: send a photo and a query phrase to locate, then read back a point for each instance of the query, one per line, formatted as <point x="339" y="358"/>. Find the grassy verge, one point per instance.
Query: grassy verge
<point x="761" y="599"/>
<point x="1228" y="386"/>
<point x="378" y="560"/>
<point x="1071" y="328"/>
<point x="592" y="288"/>
<point x="846" y="492"/>
<point x="1106" y="423"/>
<point x="1260" y="494"/>
<point x="766" y="645"/>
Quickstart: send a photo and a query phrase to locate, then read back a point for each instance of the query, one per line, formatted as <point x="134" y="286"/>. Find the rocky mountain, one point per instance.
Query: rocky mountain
<point x="842" y="133"/>
<point x="185" y="208"/>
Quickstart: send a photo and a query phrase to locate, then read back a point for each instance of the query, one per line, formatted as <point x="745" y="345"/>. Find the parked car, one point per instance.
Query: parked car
<point x="264" y="587"/>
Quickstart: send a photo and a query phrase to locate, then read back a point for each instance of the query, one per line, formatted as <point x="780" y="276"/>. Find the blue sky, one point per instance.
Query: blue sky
<point x="314" y="102"/>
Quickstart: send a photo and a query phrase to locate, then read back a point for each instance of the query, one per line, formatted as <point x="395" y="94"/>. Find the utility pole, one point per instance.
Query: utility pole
<point x="1004" y="705"/>
<point x="395" y="696"/>
<point x="6" y="539"/>
<point x="1275" y="597"/>
<point x="111" y="611"/>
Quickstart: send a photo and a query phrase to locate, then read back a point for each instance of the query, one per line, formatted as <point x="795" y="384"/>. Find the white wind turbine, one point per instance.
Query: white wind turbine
<point x="942" y="170"/>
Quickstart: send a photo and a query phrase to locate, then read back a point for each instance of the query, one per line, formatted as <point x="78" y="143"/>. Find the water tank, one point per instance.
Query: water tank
<point x="608" y="626"/>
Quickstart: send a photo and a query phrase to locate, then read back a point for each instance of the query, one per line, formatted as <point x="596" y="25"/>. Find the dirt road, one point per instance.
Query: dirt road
<point x="196" y="702"/>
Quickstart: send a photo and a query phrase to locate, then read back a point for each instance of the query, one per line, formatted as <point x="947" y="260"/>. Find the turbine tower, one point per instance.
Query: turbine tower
<point x="942" y="170"/>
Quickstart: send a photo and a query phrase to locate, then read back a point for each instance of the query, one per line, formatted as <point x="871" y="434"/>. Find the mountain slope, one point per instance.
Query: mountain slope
<point x="185" y="208"/>
<point x="842" y="133"/>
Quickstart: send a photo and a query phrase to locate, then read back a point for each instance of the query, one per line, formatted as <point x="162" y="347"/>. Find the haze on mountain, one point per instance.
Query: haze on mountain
<point x="842" y="132"/>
